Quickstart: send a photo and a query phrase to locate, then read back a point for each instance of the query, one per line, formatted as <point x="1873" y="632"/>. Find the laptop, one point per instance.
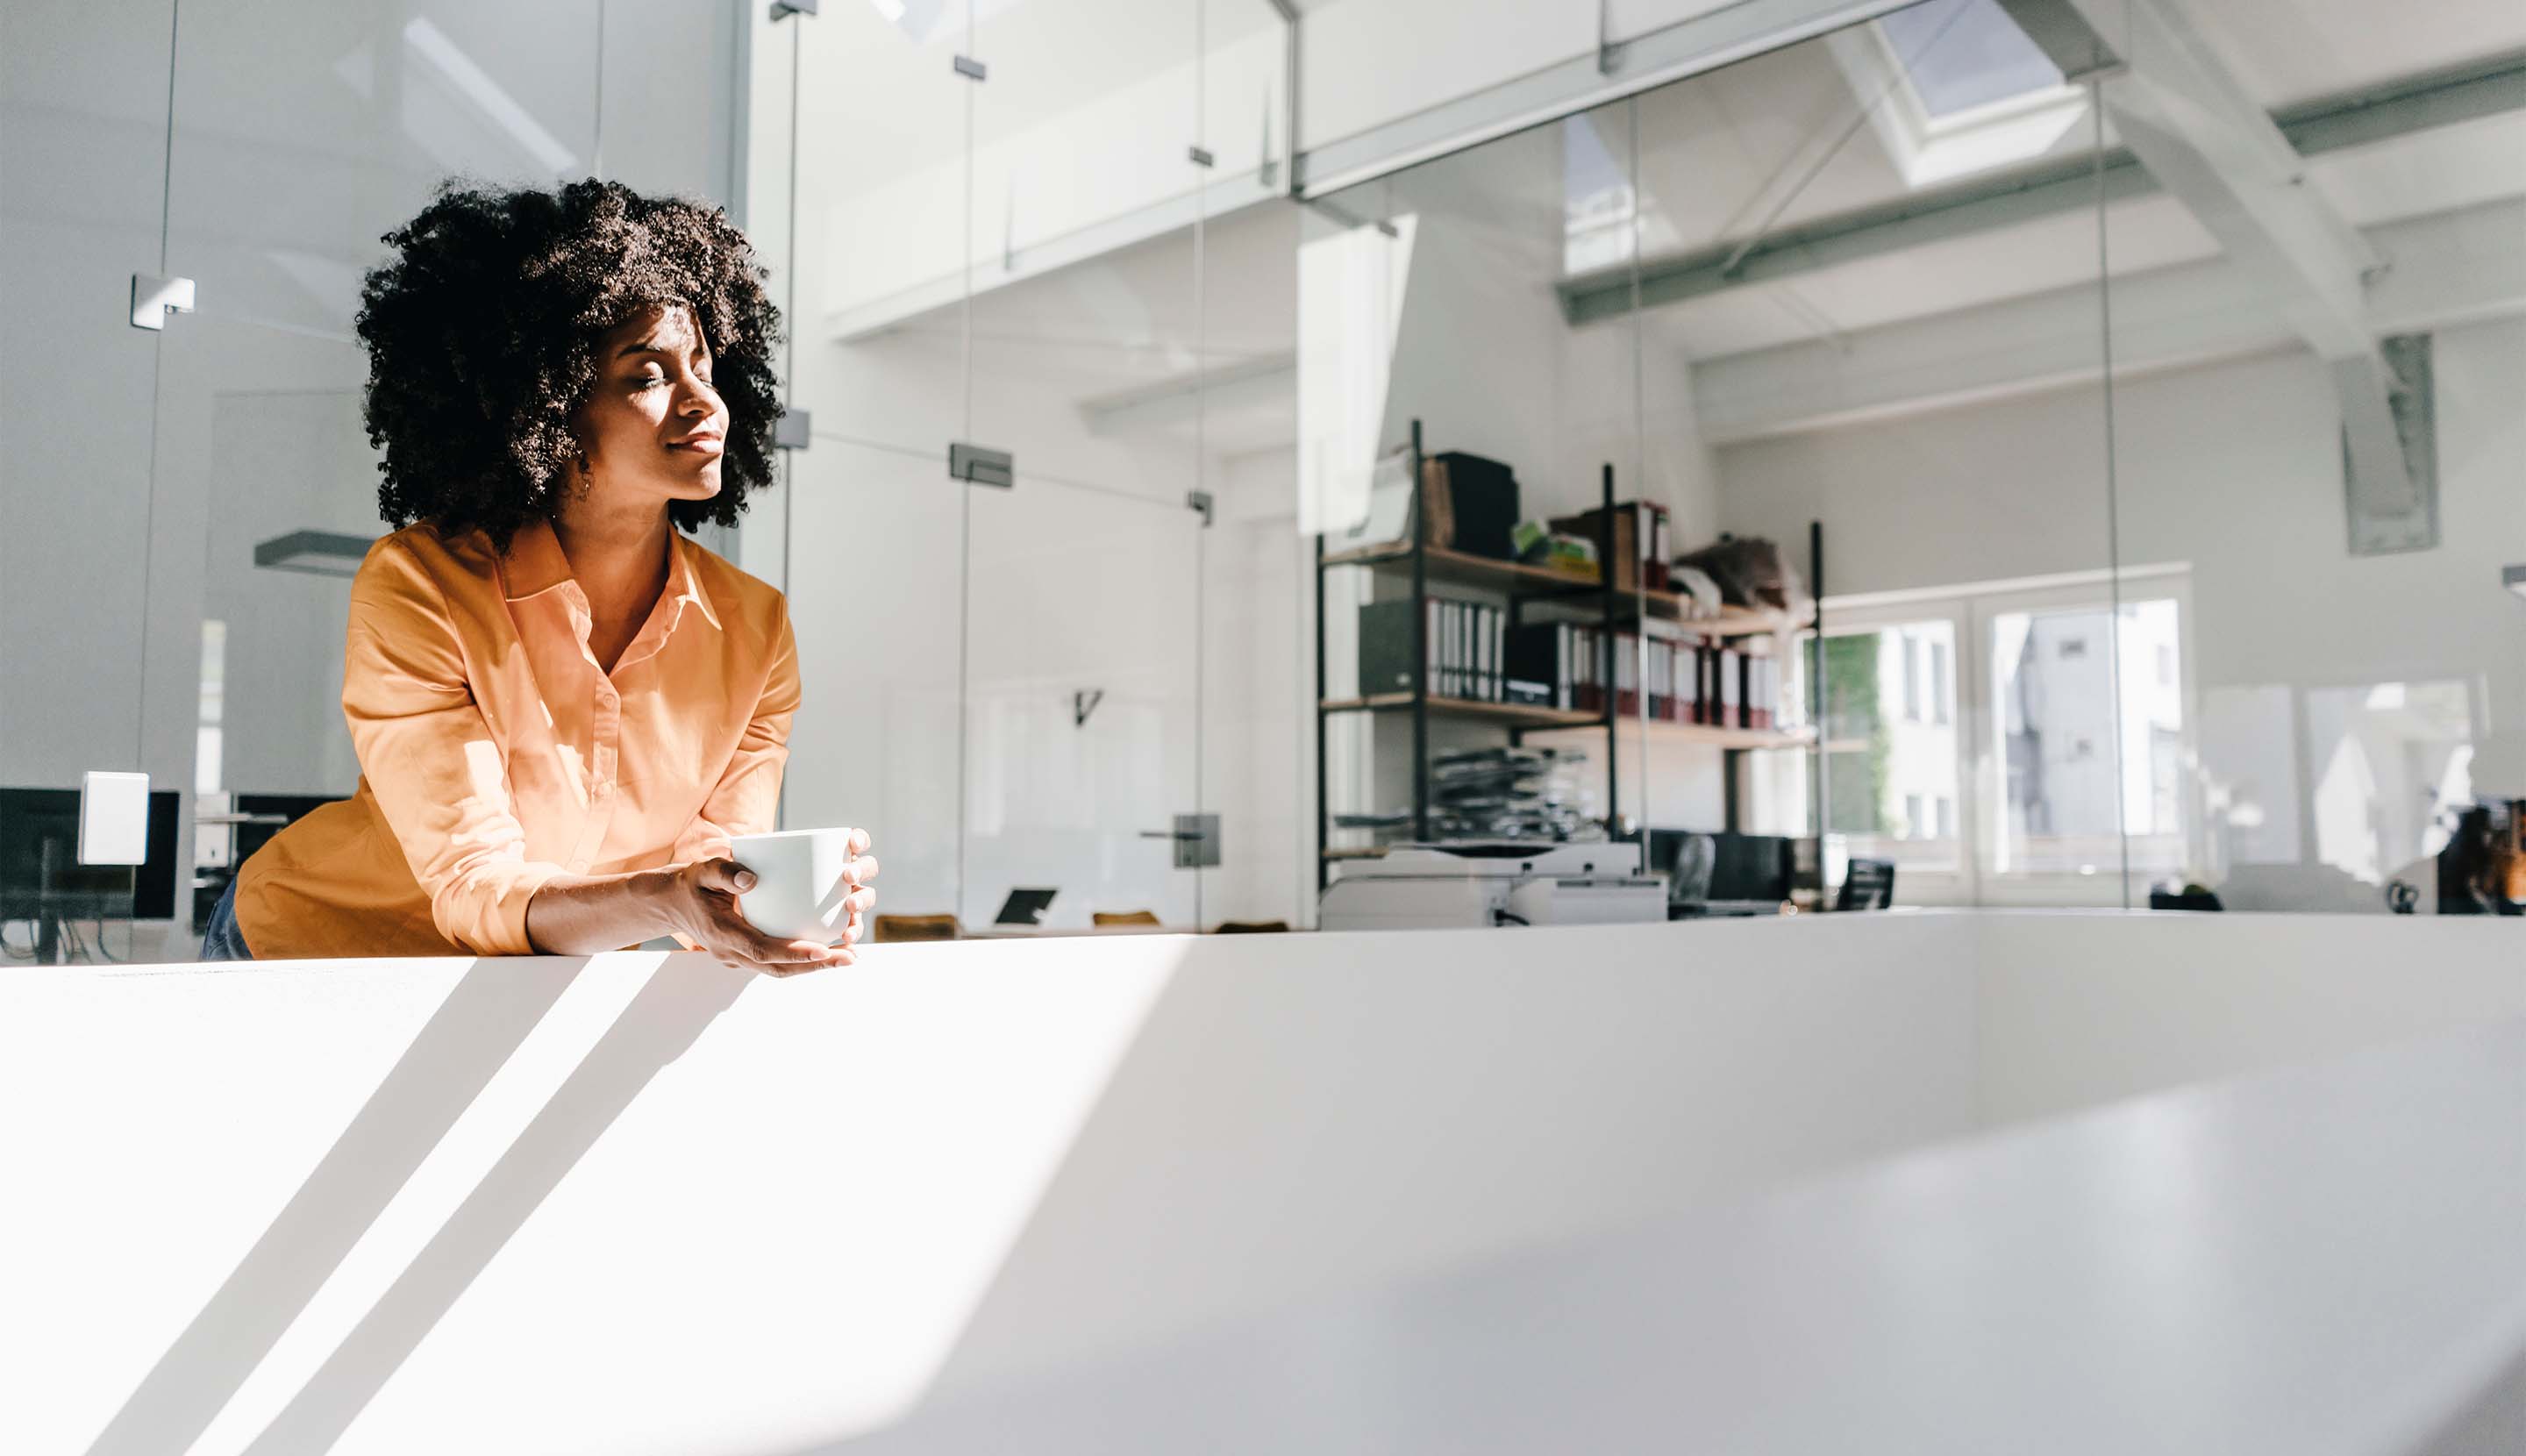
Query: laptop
<point x="1026" y="907"/>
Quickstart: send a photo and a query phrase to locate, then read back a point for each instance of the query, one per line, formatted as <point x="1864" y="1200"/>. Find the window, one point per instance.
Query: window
<point x="1891" y="750"/>
<point x="2391" y="767"/>
<point x="2086" y="753"/>
<point x="2009" y="744"/>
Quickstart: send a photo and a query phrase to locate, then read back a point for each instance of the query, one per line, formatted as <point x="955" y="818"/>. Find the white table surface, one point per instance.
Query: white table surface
<point x="2325" y="1260"/>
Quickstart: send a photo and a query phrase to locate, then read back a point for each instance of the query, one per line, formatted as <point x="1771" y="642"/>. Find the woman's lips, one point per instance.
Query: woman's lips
<point x="706" y="444"/>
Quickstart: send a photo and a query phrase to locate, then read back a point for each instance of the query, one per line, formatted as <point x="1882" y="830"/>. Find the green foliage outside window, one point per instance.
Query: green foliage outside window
<point x="1857" y="787"/>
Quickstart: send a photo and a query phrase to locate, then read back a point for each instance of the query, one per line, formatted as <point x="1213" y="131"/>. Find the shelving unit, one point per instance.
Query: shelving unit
<point x="1541" y="584"/>
<point x="1523" y="584"/>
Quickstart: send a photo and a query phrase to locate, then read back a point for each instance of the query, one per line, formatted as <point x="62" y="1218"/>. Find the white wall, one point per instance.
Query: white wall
<point x="644" y="1204"/>
<point x="1258" y="686"/>
<point x="2230" y="469"/>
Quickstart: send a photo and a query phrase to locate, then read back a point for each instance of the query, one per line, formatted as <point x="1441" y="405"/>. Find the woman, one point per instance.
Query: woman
<point x="563" y="708"/>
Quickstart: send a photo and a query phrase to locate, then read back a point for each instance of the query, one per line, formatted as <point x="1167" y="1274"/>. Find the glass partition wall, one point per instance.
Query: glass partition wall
<point x="189" y="194"/>
<point x="1756" y="309"/>
<point x="1031" y="437"/>
<point x="1043" y="346"/>
<point x="2143" y="403"/>
<point x="2318" y="455"/>
<point x="2140" y="403"/>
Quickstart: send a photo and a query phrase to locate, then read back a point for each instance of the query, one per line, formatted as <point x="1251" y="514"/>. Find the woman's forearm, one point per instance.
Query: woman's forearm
<point x="577" y="914"/>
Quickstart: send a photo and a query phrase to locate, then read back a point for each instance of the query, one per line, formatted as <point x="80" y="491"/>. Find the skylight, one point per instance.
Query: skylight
<point x="1960" y="54"/>
<point x="1604" y="218"/>
<point x="1954" y="87"/>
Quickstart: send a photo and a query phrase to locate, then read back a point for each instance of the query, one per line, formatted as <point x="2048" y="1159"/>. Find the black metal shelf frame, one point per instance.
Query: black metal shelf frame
<point x="1609" y="615"/>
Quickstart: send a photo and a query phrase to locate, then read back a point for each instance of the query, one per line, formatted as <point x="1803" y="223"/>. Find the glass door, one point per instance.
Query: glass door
<point x="1079" y="705"/>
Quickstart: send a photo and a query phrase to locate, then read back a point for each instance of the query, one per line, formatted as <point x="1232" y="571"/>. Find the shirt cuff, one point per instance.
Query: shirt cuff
<point x="487" y="911"/>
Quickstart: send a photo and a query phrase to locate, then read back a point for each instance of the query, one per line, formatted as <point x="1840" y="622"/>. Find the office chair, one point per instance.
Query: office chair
<point x="891" y="928"/>
<point x="1870" y="885"/>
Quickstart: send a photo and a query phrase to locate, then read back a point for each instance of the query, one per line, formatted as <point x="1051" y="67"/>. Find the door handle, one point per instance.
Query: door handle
<point x="1195" y="837"/>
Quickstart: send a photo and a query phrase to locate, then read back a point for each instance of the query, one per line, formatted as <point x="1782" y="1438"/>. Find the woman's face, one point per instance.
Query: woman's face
<point x="653" y="428"/>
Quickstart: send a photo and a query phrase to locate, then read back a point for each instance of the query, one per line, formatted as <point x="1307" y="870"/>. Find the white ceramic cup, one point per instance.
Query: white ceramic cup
<point x="799" y="892"/>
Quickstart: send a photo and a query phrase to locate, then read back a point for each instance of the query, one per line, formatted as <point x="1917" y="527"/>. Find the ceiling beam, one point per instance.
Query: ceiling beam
<point x="2453" y="268"/>
<point x="2193" y="125"/>
<point x="2362" y="118"/>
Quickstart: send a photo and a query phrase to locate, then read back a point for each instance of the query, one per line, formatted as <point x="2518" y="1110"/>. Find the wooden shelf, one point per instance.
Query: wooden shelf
<point x="1445" y="565"/>
<point x="1516" y="714"/>
<point x="1548" y="719"/>
<point x="1712" y="735"/>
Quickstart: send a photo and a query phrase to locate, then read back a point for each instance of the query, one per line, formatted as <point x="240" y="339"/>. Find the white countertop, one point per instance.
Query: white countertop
<point x="642" y="1205"/>
<point x="2324" y="1260"/>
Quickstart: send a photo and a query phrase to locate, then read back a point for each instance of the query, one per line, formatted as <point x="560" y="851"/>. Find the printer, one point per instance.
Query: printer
<point x="1493" y="882"/>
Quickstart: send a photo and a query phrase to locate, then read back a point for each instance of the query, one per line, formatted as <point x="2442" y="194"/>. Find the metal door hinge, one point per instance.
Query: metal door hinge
<point x="153" y="298"/>
<point x="982" y="466"/>
<point x="792" y="430"/>
<point x="1200" y="500"/>
<point x="972" y="70"/>
<point x="783" y="8"/>
<point x="1196" y="841"/>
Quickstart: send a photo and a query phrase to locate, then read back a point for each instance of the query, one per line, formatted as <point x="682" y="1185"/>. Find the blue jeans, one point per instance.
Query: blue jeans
<point x="221" y="938"/>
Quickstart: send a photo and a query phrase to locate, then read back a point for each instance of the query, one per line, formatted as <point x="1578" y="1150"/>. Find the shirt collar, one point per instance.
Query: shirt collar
<point x="535" y="564"/>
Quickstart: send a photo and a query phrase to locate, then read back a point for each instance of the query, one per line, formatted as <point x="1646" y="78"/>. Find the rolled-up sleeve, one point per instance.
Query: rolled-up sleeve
<point x="747" y="797"/>
<point x="431" y="760"/>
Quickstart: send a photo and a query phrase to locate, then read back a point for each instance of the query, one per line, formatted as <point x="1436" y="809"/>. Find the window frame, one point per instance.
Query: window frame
<point x="1970" y="610"/>
<point x="1895" y="615"/>
<point x="2093" y="591"/>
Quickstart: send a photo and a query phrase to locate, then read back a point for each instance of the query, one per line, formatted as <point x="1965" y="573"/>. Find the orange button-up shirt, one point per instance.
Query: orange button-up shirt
<point x="497" y="754"/>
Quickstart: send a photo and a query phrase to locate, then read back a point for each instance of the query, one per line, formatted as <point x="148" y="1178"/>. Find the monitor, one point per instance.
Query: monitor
<point x="1742" y="869"/>
<point x="31" y="819"/>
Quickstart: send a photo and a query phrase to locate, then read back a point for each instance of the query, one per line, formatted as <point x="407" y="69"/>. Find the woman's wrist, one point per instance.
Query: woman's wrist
<point x="585" y="914"/>
<point x="653" y="891"/>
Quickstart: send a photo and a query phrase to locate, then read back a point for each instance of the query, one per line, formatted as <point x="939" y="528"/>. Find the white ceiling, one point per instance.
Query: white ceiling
<point x="2293" y="51"/>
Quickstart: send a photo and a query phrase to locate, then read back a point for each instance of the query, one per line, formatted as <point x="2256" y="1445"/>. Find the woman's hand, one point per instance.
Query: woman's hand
<point x="700" y="901"/>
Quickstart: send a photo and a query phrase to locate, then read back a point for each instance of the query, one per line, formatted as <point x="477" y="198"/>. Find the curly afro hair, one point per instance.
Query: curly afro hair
<point x="482" y="335"/>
